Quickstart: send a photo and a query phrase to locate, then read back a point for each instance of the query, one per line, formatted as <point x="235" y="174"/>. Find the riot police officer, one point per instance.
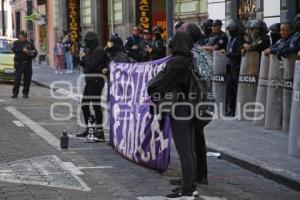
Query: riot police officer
<point x="286" y="31"/>
<point x="218" y="39"/>
<point x="157" y="47"/>
<point x="275" y="33"/>
<point x="259" y="38"/>
<point x="24" y="53"/>
<point x="206" y="30"/>
<point x="94" y="62"/>
<point x="233" y="61"/>
<point x="247" y="36"/>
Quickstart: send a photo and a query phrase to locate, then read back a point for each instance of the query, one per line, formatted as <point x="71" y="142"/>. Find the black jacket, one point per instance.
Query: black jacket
<point x="20" y="55"/>
<point x="220" y="40"/>
<point x="94" y="61"/>
<point x="158" y="49"/>
<point x="234" y="50"/>
<point x="132" y="41"/>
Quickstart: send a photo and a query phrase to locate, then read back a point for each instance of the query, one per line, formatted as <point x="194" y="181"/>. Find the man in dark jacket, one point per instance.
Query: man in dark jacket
<point x="233" y="61"/>
<point x="274" y="33"/>
<point x="134" y="45"/>
<point x="24" y="53"/>
<point x="95" y="65"/>
<point x="218" y="39"/>
<point x="286" y="31"/>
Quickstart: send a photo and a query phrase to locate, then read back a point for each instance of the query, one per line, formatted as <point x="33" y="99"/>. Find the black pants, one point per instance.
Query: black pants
<point x="183" y="135"/>
<point x="232" y="87"/>
<point x="200" y="150"/>
<point x="92" y="94"/>
<point x="26" y="71"/>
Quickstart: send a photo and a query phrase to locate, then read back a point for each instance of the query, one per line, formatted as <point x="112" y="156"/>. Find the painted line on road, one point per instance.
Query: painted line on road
<point x="40" y="131"/>
<point x="18" y="123"/>
<point x="96" y="167"/>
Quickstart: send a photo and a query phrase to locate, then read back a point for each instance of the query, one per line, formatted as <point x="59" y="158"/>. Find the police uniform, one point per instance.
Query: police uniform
<point x="23" y="65"/>
<point x="132" y="41"/>
<point x="158" y="49"/>
<point x="233" y="61"/>
<point x="220" y="40"/>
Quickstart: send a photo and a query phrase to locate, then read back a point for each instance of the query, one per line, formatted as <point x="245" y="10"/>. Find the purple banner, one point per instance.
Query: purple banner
<point x="134" y="132"/>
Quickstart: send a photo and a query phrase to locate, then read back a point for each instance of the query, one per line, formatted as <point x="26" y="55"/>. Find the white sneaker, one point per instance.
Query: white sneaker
<point x="56" y="72"/>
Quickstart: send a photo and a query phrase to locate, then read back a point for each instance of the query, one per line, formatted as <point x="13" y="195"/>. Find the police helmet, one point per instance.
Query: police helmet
<point x="275" y="27"/>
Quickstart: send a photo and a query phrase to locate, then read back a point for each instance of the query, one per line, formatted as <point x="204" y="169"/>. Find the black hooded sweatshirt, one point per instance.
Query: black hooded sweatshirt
<point x="176" y="76"/>
<point x="95" y="59"/>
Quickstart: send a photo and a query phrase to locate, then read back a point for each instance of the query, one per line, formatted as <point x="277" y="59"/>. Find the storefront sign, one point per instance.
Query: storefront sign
<point x="144" y="13"/>
<point x="73" y="20"/>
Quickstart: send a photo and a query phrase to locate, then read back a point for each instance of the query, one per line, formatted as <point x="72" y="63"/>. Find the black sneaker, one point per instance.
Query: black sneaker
<point x="25" y="97"/>
<point x="176" y="181"/>
<point x="179" y="190"/>
<point x="83" y="134"/>
<point x="14" y="96"/>
<point x="181" y="196"/>
<point x="99" y="135"/>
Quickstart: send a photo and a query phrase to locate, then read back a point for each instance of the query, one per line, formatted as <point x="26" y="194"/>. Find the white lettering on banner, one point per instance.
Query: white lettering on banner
<point x="128" y="91"/>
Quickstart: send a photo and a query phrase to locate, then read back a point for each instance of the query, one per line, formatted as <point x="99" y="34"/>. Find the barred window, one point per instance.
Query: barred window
<point x="86" y="12"/>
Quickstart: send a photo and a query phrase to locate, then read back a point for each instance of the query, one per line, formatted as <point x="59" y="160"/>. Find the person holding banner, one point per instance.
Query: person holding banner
<point x="94" y="62"/>
<point x="174" y="80"/>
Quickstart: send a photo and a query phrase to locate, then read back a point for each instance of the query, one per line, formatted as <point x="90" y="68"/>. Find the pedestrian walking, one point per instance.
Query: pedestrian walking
<point x="94" y="62"/>
<point x="68" y="44"/>
<point x="59" y="54"/>
<point x="24" y="52"/>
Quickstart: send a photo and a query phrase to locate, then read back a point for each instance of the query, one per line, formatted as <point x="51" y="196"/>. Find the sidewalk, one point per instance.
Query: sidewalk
<point x="251" y="147"/>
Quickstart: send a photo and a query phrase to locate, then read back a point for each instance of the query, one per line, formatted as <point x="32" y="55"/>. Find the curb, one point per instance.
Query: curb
<point x="282" y="177"/>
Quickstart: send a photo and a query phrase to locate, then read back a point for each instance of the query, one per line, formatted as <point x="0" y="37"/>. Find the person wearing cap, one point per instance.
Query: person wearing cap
<point x="134" y="45"/>
<point x="94" y="62"/>
<point x="259" y="38"/>
<point x="206" y="30"/>
<point x="24" y="52"/>
<point x="157" y="47"/>
<point x="218" y="39"/>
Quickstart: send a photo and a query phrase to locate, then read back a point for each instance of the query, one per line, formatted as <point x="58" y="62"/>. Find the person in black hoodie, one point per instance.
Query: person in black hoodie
<point x="94" y="63"/>
<point x="175" y="79"/>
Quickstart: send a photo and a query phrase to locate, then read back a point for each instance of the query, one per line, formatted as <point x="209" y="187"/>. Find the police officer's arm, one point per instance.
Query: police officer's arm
<point x="292" y="48"/>
<point x="222" y="42"/>
<point x="34" y="52"/>
<point x="263" y="44"/>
